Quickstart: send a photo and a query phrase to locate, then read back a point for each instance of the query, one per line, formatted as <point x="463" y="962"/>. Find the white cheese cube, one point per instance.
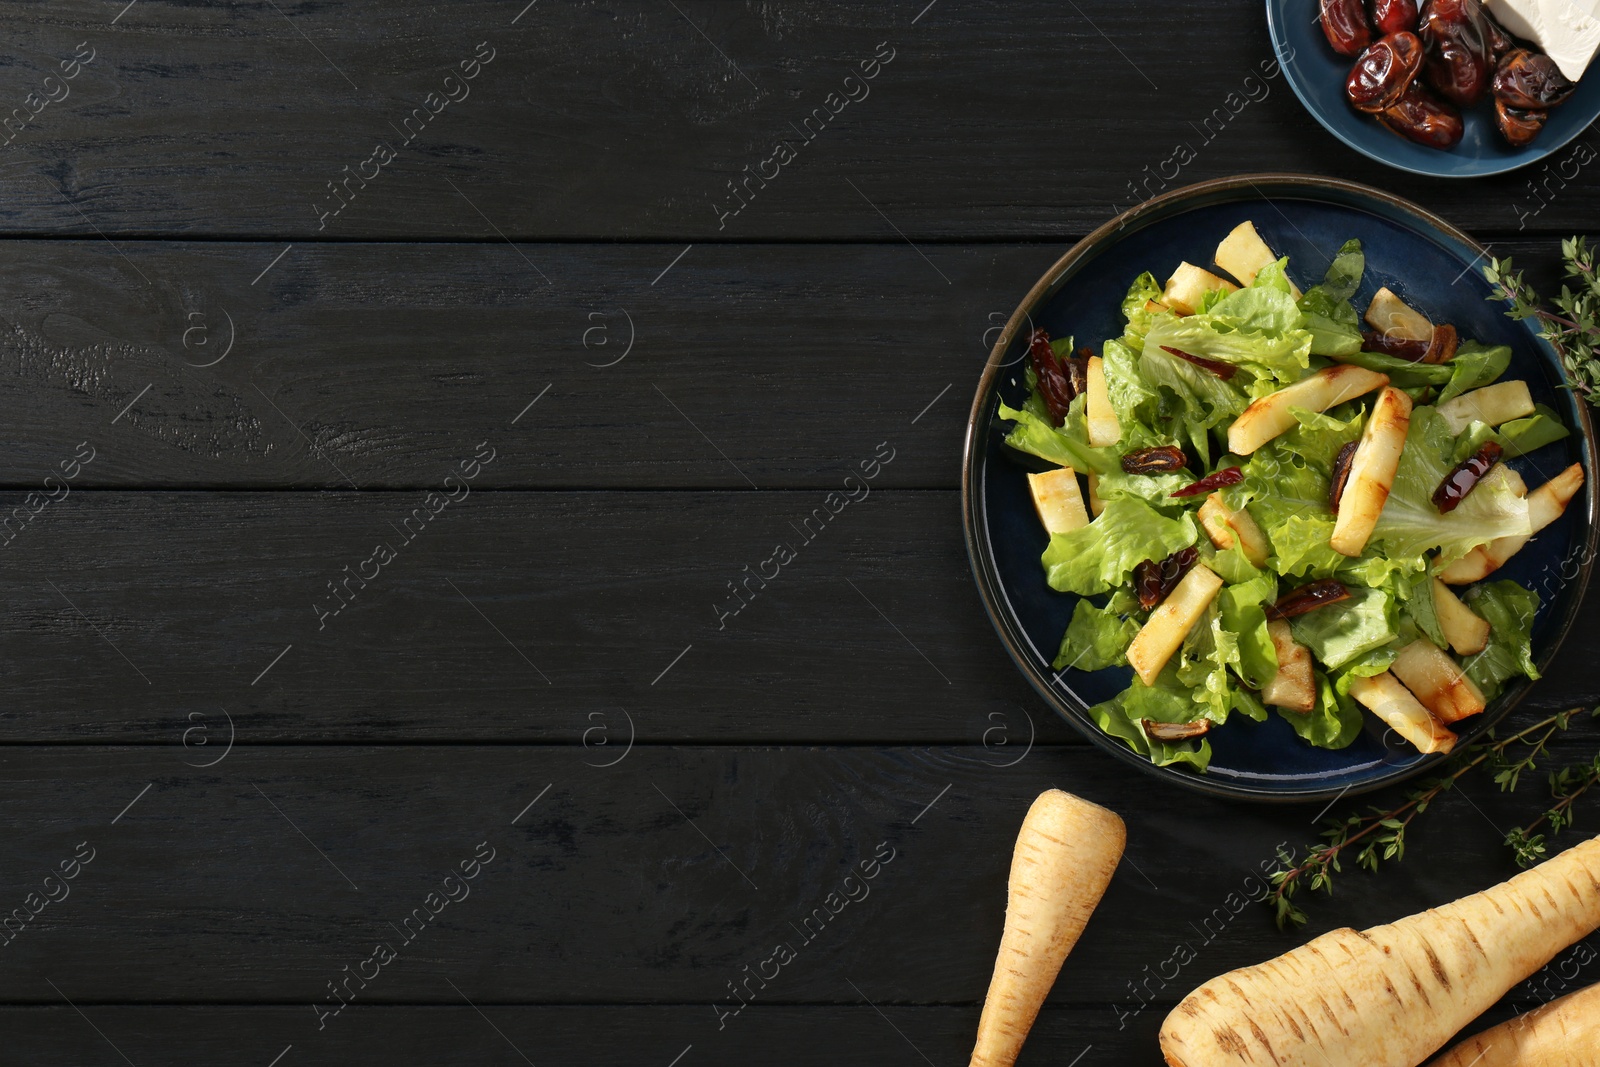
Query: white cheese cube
<point x="1568" y="31"/>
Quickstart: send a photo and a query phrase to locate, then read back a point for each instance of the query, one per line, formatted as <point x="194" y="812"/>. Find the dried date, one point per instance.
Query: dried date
<point x="1225" y="477"/>
<point x="1518" y="125"/>
<point x="1530" y="81"/>
<point x="1153" y="581"/>
<point x="1077" y="368"/>
<point x="1344" y="23"/>
<point x="1458" y="62"/>
<point x="1161" y="459"/>
<point x="1054" y="385"/>
<point x="1399" y="347"/>
<point x="1309" y="597"/>
<point x="1394" y="16"/>
<point x="1384" y="72"/>
<point x="1422" y="117"/>
<point x="1176" y="731"/>
<point x="1464" y="476"/>
<point x="1500" y="42"/>
<point x="1341" y="475"/>
<point x="1442" y="348"/>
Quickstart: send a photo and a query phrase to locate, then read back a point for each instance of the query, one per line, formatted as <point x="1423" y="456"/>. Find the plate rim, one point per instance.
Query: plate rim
<point x="992" y="593"/>
<point x="1277" y="40"/>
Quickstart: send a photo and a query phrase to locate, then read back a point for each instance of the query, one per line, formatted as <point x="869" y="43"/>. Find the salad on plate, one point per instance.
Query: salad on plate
<point x="1269" y="502"/>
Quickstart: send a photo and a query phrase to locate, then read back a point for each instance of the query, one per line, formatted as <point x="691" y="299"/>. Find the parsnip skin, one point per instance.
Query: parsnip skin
<point x="1392" y="995"/>
<point x="1372" y="471"/>
<point x="1188" y="286"/>
<point x="1171" y="621"/>
<point x="1100" y="418"/>
<point x="1393" y="317"/>
<point x="1244" y="254"/>
<point x="1065" y="855"/>
<point x="1392" y="702"/>
<point x="1269" y="416"/>
<point x="1563" y="1033"/>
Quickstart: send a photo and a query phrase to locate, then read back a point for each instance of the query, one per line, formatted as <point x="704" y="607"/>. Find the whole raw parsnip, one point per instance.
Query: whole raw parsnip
<point x="1563" y="1033"/>
<point x="1066" y="853"/>
<point x="1392" y="995"/>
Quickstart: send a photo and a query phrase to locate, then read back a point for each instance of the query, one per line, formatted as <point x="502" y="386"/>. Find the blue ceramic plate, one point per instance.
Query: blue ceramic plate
<point x="1424" y="259"/>
<point x="1317" y="74"/>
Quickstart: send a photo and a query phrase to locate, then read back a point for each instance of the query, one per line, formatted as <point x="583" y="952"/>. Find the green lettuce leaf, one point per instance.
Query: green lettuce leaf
<point x="1279" y="485"/>
<point x="1376" y="661"/>
<point x="1288" y="498"/>
<point x="1241" y="609"/>
<point x="1154" y="489"/>
<point x="1411" y="525"/>
<point x="1521" y="436"/>
<point x="1320" y="435"/>
<point x="1203" y="661"/>
<point x="1210" y="299"/>
<point x="1231" y="564"/>
<point x="1248" y="703"/>
<point x="1474" y="365"/>
<point x="1192" y="400"/>
<point x="1101" y="555"/>
<point x="1258" y="327"/>
<point x="1374" y="568"/>
<point x="1340" y="632"/>
<point x="1098" y="637"/>
<point x="1332" y="320"/>
<point x="1134" y="400"/>
<point x="1334" y="722"/>
<point x="1144" y="290"/>
<point x="1403" y="374"/>
<point x="1420" y="608"/>
<point x="1301" y="545"/>
<point x="1274" y="275"/>
<point x="1510" y="610"/>
<point x="1166" y="701"/>
<point x="1138" y="404"/>
<point x="1034" y="435"/>
<point x="1517" y="437"/>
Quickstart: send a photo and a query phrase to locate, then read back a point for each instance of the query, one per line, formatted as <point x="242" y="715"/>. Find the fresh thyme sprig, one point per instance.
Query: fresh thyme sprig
<point x="1381" y="834"/>
<point x="1566" y="786"/>
<point x="1573" y="328"/>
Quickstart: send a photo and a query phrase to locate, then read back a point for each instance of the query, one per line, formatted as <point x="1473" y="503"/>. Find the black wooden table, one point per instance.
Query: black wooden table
<point x="398" y="399"/>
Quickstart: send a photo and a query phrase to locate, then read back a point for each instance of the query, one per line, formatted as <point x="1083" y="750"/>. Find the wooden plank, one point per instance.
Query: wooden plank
<point x="632" y="121"/>
<point x="490" y="1035"/>
<point x="381" y="366"/>
<point x="655" y="881"/>
<point x="515" y="617"/>
<point x="509" y="1035"/>
<point x="508" y="616"/>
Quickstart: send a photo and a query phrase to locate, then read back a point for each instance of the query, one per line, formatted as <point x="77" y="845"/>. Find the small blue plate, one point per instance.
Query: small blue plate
<point x="1424" y="259"/>
<point x="1317" y="74"/>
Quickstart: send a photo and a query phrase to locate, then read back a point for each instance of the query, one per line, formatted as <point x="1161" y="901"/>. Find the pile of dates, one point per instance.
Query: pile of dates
<point x="1415" y="69"/>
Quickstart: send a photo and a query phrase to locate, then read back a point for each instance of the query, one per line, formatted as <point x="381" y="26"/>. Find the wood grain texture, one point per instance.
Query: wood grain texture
<point x="373" y="365"/>
<point x="381" y="366"/>
<point x="657" y="880"/>
<point x="512" y="1036"/>
<point x="484" y="1034"/>
<point x="515" y="617"/>
<point x="508" y="616"/>
<point x="604" y="121"/>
